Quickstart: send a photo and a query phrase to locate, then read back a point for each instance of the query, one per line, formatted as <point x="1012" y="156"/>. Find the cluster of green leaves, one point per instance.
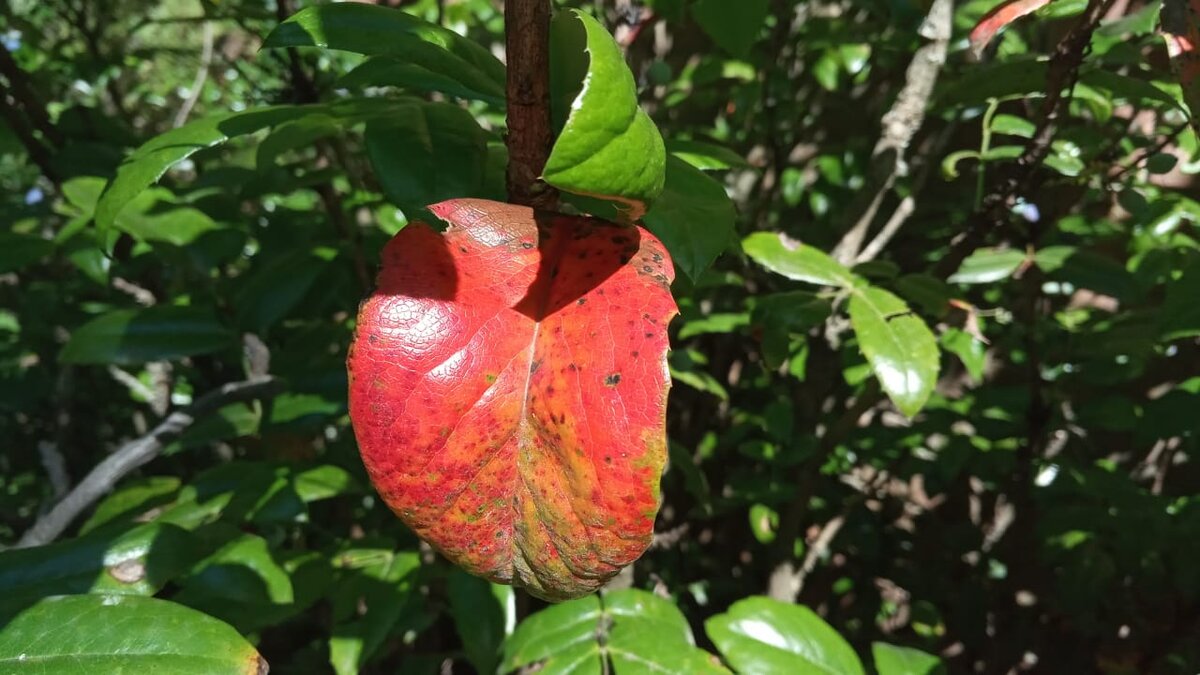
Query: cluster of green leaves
<point x="1037" y="494"/>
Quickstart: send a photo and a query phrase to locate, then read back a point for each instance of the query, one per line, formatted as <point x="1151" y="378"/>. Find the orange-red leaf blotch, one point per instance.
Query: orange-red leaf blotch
<point x="508" y="388"/>
<point x="1000" y="16"/>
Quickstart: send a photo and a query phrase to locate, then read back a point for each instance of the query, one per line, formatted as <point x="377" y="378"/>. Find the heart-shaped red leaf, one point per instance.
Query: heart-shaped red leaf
<point x="508" y="388"/>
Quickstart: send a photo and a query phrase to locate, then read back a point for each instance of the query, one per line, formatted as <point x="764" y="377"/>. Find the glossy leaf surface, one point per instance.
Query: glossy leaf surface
<point x="760" y="636"/>
<point x="893" y="660"/>
<point x="508" y="391"/>
<point x="627" y="632"/>
<point x="798" y="261"/>
<point x="609" y="147"/>
<point x="693" y="217"/>
<point x="902" y="351"/>
<point x="88" y="634"/>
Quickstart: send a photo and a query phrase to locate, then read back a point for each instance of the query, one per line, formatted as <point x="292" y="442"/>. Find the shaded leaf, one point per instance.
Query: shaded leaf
<point x="705" y="156"/>
<point x="148" y="163"/>
<point x="426" y="153"/>
<point x="126" y="560"/>
<point x="153" y="334"/>
<point x="419" y="66"/>
<point x="20" y="250"/>
<point x="484" y="615"/>
<point x="132" y="499"/>
<point x="693" y="217"/>
<point x="473" y="387"/>
<point x="372" y="29"/>
<point x="1181" y="310"/>
<point x="734" y="26"/>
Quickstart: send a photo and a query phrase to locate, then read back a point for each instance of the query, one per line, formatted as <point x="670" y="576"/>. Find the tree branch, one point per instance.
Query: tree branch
<point x="134" y="454"/>
<point x="527" y="45"/>
<point x="900" y="124"/>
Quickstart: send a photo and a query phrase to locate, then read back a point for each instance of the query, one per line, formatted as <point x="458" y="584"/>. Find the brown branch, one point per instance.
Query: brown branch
<point x="527" y="45"/>
<point x="134" y="454"/>
<point x="900" y="124"/>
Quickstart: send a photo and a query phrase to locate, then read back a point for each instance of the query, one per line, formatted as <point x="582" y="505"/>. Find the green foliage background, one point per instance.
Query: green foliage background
<point x="937" y="457"/>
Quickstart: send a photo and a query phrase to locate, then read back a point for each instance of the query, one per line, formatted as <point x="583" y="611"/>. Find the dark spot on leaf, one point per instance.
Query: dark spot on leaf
<point x="462" y="249"/>
<point x="613" y="379"/>
<point x="649" y="335"/>
<point x="647" y="269"/>
<point x="572" y="367"/>
<point x="533" y="367"/>
<point x="581" y="301"/>
<point x="608" y="459"/>
<point x="634" y="353"/>
<point x="526" y="245"/>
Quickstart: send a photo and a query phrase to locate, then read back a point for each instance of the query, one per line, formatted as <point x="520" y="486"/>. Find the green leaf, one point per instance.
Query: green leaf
<point x="426" y="153"/>
<point x="637" y="631"/>
<point x="902" y="351"/>
<point x="988" y="265"/>
<point x="1013" y="126"/>
<point x="88" y="634"/>
<point x="422" y="67"/>
<point x="893" y="660"/>
<point x="148" y="163"/>
<point x="372" y="29"/>
<point x="127" y="560"/>
<point x="694" y="218"/>
<point x="705" y="156"/>
<point x="134" y="498"/>
<point x="798" y="261"/>
<point x="20" y="250"/>
<point x="1180" y="316"/>
<point x="1003" y="80"/>
<point x="970" y="351"/>
<point x="560" y="635"/>
<point x="609" y="147"/>
<point x="179" y="226"/>
<point x="129" y="336"/>
<point x="384" y="583"/>
<point x="734" y="26"/>
<point x="484" y="615"/>
<point x="780" y="315"/>
<point x="239" y="583"/>
<point x="760" y="635"/>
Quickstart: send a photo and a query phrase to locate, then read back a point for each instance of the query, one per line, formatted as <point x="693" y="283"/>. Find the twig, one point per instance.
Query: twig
<point x="527" y="46"/>
<point x="38" y="152"/>
<point x="206" y="57"/>
<point x="134" y="454"/>
<point x="1061" y="76"/>
<point x="900" y="124"/>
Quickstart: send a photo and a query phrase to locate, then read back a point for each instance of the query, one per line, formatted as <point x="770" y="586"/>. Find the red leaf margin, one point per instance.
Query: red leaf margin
<point x="1000" y="16"/>
<point x="508" y="387"/>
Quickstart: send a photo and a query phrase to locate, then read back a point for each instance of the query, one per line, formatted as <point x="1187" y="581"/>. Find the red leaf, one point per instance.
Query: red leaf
<point x="1181" y="30"/>
<point x="508" y="388"/>
<point x="1000" y="16"/>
